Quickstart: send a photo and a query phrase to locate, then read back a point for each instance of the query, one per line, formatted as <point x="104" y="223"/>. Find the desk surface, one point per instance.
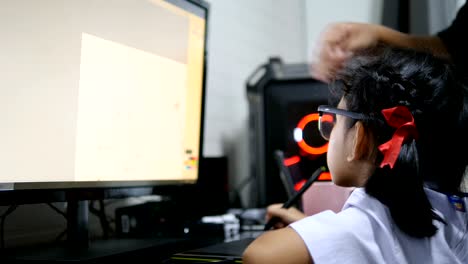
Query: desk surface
<point x="153" y="250"/>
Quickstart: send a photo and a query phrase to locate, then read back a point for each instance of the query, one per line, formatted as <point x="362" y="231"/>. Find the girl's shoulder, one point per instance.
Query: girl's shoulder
<point x="357" y="234"/>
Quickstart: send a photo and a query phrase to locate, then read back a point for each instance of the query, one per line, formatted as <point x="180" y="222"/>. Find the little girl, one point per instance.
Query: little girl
<point x="398" y="133"/>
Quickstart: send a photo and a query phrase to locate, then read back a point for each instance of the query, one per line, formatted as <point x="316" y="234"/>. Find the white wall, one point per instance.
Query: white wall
<point x="320" y="13"/>
<point x="243" y="34"/>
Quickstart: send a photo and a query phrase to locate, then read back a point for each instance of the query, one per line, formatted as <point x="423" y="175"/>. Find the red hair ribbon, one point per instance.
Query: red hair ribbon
<point x="398" y="117"/>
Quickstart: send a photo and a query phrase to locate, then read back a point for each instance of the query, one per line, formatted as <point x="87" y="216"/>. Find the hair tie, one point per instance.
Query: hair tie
<point x="398" y="117"/>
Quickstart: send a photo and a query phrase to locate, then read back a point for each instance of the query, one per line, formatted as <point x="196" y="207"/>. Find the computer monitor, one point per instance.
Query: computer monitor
<point x="100" y="99"/>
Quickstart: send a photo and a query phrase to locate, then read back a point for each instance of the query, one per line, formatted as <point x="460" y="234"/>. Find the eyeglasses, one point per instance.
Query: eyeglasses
<point x="327" y="118"/>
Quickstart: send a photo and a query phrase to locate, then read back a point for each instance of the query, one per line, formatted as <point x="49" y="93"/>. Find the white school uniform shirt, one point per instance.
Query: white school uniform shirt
<point x="364" y="232"/>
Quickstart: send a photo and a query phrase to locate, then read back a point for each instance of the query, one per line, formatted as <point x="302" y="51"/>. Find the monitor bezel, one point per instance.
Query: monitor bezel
<point x="46" y="192"/>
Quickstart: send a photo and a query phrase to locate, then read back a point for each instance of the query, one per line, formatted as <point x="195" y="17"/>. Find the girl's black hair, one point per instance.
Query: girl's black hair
<point x="427" y="86"/>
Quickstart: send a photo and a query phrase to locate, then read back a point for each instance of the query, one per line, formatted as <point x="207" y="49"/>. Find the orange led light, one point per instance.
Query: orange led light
<point x="302" y="144"/>
<point x="291" y="161"/>
<point x="325" y="176"/>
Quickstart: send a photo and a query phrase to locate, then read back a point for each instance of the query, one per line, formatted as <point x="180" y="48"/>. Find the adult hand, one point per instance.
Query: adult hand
<point x="337" y="43"/>
<point x="287" y="216"/>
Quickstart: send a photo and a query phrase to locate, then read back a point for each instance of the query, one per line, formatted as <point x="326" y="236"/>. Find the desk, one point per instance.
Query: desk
<point x="153" y="250"/>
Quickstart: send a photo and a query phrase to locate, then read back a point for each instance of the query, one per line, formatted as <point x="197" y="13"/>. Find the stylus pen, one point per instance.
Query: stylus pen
<point x="296" y="196"/>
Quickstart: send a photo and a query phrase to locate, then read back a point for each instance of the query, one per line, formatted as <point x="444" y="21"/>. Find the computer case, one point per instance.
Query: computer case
<point x="281" y="98"/>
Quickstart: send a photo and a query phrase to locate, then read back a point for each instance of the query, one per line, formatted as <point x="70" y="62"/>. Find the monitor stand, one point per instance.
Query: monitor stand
<point x="77" y="224"/>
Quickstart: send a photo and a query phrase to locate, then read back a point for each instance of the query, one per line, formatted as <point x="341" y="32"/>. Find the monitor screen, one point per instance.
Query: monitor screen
<point x="100" y="93"/>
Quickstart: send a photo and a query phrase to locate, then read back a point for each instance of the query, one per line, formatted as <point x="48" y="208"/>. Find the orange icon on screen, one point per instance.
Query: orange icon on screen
<point x="191" y="163"/>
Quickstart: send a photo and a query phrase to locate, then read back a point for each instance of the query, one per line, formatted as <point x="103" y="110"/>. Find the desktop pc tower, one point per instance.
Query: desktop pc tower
<point x="283" y="99"/>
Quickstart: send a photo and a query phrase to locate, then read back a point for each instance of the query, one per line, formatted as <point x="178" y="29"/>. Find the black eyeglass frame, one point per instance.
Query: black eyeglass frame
<point x="333" y="110"/>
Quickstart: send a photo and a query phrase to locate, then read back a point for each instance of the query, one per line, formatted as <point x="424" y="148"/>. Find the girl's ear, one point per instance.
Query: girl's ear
<point x="363" y="145"/>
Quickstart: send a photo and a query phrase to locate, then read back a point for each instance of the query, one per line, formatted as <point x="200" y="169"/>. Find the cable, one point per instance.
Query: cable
<point x="60" y="212"/>
<point x="57" y="210"/>
<point x="62" y="234"/>
<point x="244" y="183"/>
<point x="101" y="214"/>
<point x="2" y="224"/>
<point x="103" y="219"/>
<point x="238" y="189"/>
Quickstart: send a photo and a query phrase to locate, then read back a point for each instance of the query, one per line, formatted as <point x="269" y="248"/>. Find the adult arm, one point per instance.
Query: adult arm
<point x="339" y="41"/>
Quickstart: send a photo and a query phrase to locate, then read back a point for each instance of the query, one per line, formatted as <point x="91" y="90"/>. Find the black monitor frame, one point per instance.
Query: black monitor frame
<point x="41" y="192"/>
<point x="77" y="194"/>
